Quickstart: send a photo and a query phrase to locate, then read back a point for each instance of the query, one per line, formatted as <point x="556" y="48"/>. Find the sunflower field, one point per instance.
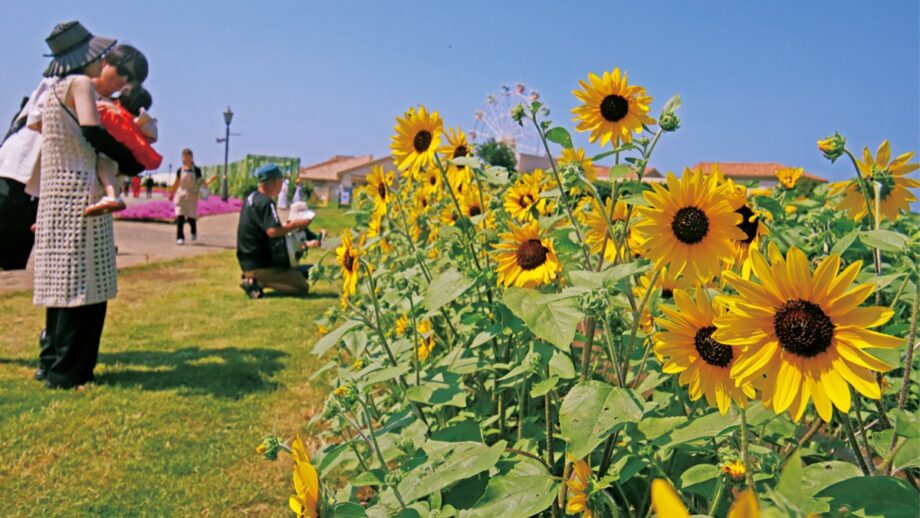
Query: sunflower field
<point x="546" y="343"/>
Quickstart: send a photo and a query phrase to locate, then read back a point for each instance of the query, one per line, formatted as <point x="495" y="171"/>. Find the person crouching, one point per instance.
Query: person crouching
<point x="260" y="243"/>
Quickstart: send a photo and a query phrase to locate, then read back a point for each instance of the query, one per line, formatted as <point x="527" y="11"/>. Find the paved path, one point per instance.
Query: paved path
<point x="142" y="243"/>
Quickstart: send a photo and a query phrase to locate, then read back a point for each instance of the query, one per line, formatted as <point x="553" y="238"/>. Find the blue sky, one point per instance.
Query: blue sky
<point x="761" y="81"/>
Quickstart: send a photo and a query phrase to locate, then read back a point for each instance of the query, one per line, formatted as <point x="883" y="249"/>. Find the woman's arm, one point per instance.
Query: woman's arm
<point x="83" y="97"/>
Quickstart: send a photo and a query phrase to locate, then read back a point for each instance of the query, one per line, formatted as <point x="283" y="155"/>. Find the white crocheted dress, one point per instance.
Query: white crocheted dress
<point x="74" y="254"/>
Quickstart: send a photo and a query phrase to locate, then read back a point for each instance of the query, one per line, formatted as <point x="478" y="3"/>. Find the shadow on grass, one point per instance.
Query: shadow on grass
<point x="228" y="372"/>
<point x="272" y="294"/>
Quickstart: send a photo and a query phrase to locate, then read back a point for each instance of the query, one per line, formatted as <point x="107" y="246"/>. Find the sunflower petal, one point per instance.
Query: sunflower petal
<point x="666" y="502"/>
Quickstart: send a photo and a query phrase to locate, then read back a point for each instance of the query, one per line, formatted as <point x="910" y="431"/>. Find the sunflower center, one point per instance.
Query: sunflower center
<point x="748" y="224"/>
<point x="475" y="211"/>
<point x="433" y="180"/>
<point x="614" y="107"/>
<point x="422" y="141"/>
<point x="349" y="261"/>
<point x="690" y="225"/>
<point x="382" y="190"/>
<point x="712" y="352"/>
<point x="803" y="328"/>
<point x="460" y="151"/>
<point x="531" y="254"/>
<point x="526" y="201"/>
<point x="667" y="294"/>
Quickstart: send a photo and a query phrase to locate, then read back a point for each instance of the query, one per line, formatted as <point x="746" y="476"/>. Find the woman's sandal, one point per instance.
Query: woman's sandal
<point x="105" y="206"/>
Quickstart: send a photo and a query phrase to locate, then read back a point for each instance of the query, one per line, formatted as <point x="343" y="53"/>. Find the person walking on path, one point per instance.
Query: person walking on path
<point x="148" y="185"/>
<point x="75" y="272"/>
<point x="184" y="193"/>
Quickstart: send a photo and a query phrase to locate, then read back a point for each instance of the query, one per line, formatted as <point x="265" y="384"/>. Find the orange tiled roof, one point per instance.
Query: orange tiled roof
<point x="752" y="170"/>
<point x="328" y="170"/>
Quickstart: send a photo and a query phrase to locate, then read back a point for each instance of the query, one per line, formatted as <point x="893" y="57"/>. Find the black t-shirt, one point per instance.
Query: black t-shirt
<point x="253" y="246"/>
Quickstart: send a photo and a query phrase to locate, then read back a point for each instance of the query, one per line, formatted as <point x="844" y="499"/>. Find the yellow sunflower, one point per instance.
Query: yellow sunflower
<point x="430" y="179"/>
<point x="449" y="216"/>
<point x="418" y="135"/>
<point x="750" y="222"/>
<point x="347" y="256"/>
<point x="667" y="503"/>
<point x="457" y="145"/>
<point x="703" y="363"/>
<point x="471" y="205"/>
<point x="577" y="156"/>
<point x="579" y="485"/>
<point x="525" y="258"/>
<point x="891" y="174"/>
<point x="523" y="198"/>
<point x="788" y="176"/>
<point x="379" y="186"/>
<point x="612" y="109"/>
<point x="805" y="332"/>
<point x="306" y="482"/>
<point x="690" y="225"/>
<point x="425" y="341"/>
<point x="590" y="214"/>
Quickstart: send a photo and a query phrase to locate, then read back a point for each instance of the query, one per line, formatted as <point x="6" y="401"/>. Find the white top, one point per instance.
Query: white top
<point x="19" y="155"/>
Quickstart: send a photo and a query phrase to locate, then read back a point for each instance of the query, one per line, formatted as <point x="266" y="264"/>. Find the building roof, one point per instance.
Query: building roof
<point x="328" y="170"/>
<point x="752" y="170"/>
<point x="381" y="161"/>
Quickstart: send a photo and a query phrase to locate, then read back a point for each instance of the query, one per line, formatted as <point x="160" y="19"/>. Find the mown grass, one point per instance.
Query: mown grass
<point x="191" y="375"/>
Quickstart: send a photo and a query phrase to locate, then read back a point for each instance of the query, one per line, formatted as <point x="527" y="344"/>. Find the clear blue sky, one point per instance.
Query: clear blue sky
<point x="761" y="81"/>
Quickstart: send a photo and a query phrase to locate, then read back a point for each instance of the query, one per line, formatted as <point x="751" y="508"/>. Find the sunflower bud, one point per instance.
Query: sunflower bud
<point x="669" y="121"/>
<point x="832" y="146"/>
<point x="269" y="447"/>
<point x="517" y="113"/>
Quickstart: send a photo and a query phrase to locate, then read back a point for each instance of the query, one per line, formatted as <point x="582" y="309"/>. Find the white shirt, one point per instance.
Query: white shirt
<point x="19" y="155"/>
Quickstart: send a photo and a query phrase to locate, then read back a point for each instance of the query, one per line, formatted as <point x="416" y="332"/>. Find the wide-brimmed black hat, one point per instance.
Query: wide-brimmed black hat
<point x="73" y="47"/>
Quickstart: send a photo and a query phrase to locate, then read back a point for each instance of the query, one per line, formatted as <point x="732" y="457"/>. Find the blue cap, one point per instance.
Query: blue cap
<point x="269" y="171"/>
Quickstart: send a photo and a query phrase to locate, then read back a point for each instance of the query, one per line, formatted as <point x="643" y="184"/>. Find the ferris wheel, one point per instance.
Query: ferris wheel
<point x="494" y="121"/>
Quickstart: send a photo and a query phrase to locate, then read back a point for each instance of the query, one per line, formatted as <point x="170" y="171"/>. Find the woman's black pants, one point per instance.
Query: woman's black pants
<point x="17" y="214"/>
<point x="70" y="346"/>
<point x="192" y="225"/>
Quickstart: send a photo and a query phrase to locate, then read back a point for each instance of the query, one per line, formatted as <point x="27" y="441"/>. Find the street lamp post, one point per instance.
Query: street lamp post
<point x="228" y="118"/>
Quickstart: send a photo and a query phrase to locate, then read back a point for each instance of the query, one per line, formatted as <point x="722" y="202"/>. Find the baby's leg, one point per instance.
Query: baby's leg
<point x="106" y="171"/>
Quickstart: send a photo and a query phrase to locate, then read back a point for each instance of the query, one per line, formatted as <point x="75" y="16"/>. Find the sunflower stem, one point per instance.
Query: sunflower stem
<point x="909" y="356"/>
<point x="851" y="437"/>
<point x="562" y="192"/>
<point x="640" y="173"/>
<point x="866" y="451"/>
<point x="745" y="455"/>
<point x="453" y="197"/>
<point x="717" y="498"/>
<point x="635" y="326"/>
<point x="877" y="255"/>
<point x="590" y="331"/>
<point x="549" y="428"/>
<point x="383" y="462"/>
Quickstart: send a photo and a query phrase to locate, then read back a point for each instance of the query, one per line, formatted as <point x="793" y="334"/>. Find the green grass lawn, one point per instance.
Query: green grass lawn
<point x="191" y="375"/>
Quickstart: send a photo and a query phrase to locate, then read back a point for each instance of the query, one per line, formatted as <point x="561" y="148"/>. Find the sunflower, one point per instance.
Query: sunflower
<point x="425" y="341"/>
<point x="805" y="331"/>
<point x="577" y="156"/>
<point x="750" y="223"/>
<point x="589" y="213"/>
<point x="347" y="256"/>
<point x="457" y="146"/>
<point x="431" y="181"/>
<point x="471" y="205"/>
<point x="523" y="198"/>
<point x="579" y="485"/>
<point x="525" y="258"/>
<point x="612" y="109"/>
<point x="891" y="174"/>
<point x="418" y="135"/>
<point x="690" y="224"/>
<point x="379" y="186"/>
<point x="402" y="324"/>
<point x="449" y="216"/>
<point x="788" y="176"/>
<point x="667" y="503"/>
<point x="306" y="482"/>
<point x="667" y="282"/>
<point x="703" y="363"/>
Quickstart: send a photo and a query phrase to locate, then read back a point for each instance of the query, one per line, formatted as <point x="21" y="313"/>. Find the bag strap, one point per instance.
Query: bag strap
<point x="66" y="108"/>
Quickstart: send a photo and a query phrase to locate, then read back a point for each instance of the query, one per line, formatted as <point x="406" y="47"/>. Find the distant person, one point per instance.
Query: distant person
<point x="148" y="185"/>
<point x="184" y="192"/>
<point x="283" y="195"/>
<point x="261" y="247"/>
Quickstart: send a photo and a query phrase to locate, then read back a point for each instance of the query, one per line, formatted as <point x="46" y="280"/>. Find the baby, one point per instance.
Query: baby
<point x="129" y="123"/>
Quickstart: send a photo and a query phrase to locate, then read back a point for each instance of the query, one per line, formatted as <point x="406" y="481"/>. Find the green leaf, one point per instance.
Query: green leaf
<point x="698" y="478"/>
<point x="448" y="462"/>
<point x="560" y="136"/>
<point x="905" y="423"/>
<point x="844" y="242"/>
<point x="381" y="375"/>
<point x="496" y="175"/>
<point x="541" y="388"/>
<point x="619" y="171"/>
<point x="605" y="154"/>
<point x="770" y="205"/>
<point x="561" y="365"/>
<point x="705" y="427"/>
<point x="549" y="317"/>
<point x="513" y="495"/>
<point x="446" y="287"/>
<point x="655" y="427"/>
<point x="468" y="161"/>
<point x="884" y="240"/>
<point x="889" y="497"/>
<point x="348" y="510"/>
<point x="593" y="409"/>
<point x="331" y="339"/>
<point x="374" y="477"/>
<point x="672" y="105"/>
<point x="448" y="392"/>
<point x="636" y="200"/>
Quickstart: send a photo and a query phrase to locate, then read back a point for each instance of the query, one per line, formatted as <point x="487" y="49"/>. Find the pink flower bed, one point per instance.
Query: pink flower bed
<point x="165" y="210"/>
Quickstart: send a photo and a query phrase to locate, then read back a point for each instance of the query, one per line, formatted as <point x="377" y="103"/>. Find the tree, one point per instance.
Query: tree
<point x="497" y="153"/>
